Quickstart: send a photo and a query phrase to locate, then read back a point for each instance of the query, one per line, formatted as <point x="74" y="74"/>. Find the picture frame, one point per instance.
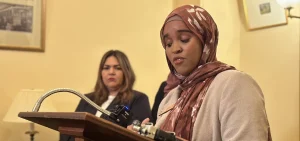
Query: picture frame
<point x="22" y="25"/>
<point x="261" y="14"/>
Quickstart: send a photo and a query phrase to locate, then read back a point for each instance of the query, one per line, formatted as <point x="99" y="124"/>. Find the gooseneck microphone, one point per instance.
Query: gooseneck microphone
<point x="121" y="114"/>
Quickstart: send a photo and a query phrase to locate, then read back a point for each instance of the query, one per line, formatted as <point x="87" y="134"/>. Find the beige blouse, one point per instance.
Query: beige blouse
<point x="233" y="110"/>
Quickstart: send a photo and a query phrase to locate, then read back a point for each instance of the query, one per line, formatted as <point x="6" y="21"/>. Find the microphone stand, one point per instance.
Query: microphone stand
<point x="121" y="115"/>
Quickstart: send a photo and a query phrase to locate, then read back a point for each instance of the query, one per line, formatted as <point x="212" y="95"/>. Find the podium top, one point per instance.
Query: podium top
<point x="82" y="125"/>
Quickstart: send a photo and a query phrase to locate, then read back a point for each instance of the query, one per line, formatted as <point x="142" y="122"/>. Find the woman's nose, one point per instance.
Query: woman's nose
<point x="176" y="48"/>
<point x="112" y="71"/>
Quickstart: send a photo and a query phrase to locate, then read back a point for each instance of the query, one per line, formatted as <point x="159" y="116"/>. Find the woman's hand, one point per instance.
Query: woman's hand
<point x="130" y="127"/>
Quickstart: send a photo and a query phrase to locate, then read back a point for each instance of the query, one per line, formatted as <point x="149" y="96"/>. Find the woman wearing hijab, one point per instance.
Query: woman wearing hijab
<point x="206" y="100"/>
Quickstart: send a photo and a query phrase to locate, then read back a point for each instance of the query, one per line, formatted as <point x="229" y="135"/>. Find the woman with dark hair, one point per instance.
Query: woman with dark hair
<point x="115" y="87"/>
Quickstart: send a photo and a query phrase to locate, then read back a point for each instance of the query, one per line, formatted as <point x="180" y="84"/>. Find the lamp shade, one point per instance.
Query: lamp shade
<point x="24" y="102"/>
<point x="287" y="3"/>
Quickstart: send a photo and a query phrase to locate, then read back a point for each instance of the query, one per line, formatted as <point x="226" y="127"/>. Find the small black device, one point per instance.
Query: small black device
<point x="121" y="115"/>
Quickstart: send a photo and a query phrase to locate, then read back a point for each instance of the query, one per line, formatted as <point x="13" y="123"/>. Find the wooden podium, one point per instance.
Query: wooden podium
<point x="83" y="126"/>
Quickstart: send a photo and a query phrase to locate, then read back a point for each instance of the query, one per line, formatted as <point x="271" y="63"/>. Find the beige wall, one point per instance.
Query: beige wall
<point x="271" y="56"/>
<point x="177" y="3"/>
<point x="78" y="34"/>
<point x="77" y="37"/>
<point x="226" y="15"/>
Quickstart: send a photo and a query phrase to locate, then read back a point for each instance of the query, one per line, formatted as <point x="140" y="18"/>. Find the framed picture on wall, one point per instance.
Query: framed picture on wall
<point x="22" y="25"/>
<point x="263" y="14"/>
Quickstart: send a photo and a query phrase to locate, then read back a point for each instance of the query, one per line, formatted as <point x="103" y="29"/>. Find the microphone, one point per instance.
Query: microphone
<point x="121" y="115"/>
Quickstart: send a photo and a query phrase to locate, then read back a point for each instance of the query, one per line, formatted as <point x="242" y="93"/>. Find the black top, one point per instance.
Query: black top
<point x="139" y="108"/>
<point x="158" y="98"/>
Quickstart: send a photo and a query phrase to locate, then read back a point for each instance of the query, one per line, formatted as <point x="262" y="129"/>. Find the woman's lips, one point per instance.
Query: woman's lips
<point x="111" y="79"/>
<point x="178" y="60"/>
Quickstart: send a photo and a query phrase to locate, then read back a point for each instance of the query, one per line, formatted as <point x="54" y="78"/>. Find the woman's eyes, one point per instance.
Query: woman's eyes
<point x="182" y="40"/>
<point x="185" y="40"/>
<point x="117" y="68"/>
<point x="169" y="44"/>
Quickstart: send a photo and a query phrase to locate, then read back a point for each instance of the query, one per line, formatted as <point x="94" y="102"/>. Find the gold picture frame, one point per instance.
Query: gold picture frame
<point x="261" y="14"/>
<point x="22" y="25"/>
